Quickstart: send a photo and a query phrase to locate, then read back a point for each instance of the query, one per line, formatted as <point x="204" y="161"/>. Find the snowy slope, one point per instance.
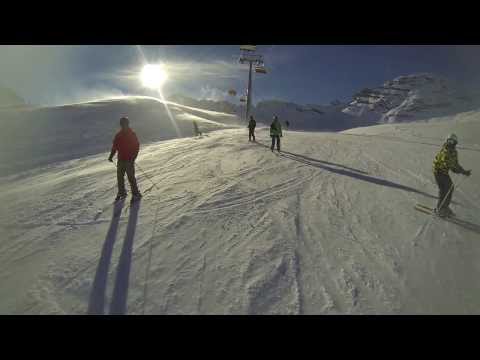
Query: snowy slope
<point x="33" y="137"/>
<point x="409" y="98"/>
<point x="328" y="227"/>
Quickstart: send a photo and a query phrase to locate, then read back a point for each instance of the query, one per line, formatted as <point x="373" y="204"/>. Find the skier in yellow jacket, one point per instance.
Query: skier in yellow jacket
<point x="446" y="160"/>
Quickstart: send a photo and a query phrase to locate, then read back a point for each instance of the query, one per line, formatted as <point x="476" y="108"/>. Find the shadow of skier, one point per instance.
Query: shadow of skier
<point x="465" y="224"/>
<point x="346" y="171"/>
<point x="359" y="176"/>
<point x="324" y="162"/>
<point x="118" y="305"/>
<point x="96" y="304"/>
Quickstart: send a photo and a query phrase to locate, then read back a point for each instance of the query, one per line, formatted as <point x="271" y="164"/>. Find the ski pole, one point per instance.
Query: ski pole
<point x="144" y="173"/>
<point x="451" y="189"/>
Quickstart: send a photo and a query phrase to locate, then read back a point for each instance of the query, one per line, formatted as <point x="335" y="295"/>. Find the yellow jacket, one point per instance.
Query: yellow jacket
<point x="445" y="160"/>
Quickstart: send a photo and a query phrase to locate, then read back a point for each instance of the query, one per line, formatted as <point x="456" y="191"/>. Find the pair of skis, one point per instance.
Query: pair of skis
<point x="451" y="219"/>
<point x="428" y="210"/>
<point x="425" y="209"/>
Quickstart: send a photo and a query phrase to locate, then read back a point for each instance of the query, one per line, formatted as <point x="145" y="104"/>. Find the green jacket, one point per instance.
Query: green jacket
<point x="445" y="160"/>
<point x="276" y="129"/>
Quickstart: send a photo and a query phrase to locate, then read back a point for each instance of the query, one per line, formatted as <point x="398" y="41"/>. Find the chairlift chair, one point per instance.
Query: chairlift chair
<point x="248" y="47"/>
<point x="260" y="69"/>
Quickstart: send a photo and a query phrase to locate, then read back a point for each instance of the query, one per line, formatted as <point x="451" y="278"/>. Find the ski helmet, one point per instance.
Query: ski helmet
<point x="452" y="139"/>
<point x="124" y="121"/>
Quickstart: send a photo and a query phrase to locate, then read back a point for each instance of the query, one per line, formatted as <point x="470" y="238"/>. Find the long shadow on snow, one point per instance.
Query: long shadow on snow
<point x="465" y="224"/>
<point x="358" y="174"/>
<point x="96" y="304"/>
<point x="118" y="305"/>
<point x="325" y="162"/>
<point x="309" y="159"/>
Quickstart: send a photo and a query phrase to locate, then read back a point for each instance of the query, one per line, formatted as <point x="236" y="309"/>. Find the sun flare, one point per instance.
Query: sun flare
<point x="153" y="76"/>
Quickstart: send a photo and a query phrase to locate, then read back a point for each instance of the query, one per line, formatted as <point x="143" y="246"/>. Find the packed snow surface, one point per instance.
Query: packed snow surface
<point x="325" y="227"/>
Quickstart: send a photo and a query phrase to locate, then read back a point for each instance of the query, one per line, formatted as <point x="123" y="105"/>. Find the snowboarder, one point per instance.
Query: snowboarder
<point x="275" y="133"/>
<point x="251" y="128"/>
<point x="195" y="129"/>
<point x="127" y="145"/>
<point x="445" y="160"/>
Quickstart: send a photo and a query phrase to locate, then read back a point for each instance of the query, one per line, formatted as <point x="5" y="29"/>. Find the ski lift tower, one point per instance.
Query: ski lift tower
<point x="249" y="56"/>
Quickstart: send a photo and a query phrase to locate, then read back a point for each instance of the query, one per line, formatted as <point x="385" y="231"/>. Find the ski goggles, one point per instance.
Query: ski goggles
<point x="451" y="142"/>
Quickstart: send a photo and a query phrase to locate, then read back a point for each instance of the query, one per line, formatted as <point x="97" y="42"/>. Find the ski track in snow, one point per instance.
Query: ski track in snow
<point x="242" y="230"/>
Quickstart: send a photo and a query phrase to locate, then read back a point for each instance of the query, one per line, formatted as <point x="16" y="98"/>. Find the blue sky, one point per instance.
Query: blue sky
<point x="303" y="74"/>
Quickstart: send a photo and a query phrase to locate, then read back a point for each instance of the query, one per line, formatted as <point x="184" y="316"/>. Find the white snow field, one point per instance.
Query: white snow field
<point x="33" y="136"/>
<point x="326" y="227"/>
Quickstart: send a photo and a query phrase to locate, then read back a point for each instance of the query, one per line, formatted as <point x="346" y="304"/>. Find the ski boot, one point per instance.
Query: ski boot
<point x="136" y="197"/>
<point x="443" y="213"/>
<point x="449" y="212"/>
<point x="120" y="197"/>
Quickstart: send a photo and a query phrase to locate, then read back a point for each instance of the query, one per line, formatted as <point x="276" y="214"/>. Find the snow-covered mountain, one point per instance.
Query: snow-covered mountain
<point x="405" y="98"/>
<point x="410" y="98"/>
<point x="30" y="133"/>
<point x="38" y="136"/>
<point x="308" y="117"/>
<point x="301" y="117"/>
<point x="326" y="227"/>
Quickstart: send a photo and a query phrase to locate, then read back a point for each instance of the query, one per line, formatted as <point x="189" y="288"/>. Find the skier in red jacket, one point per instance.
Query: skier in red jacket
<point x="127" y="145"/>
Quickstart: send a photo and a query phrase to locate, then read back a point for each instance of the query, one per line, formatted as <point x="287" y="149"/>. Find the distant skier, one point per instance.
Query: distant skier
<point x="275" y="133"/>
<point x="251" y="128"/>
<point x="287" y="124"/>
<point x="445" y="160"/>
<point x="127" y="145"/>
<point x="196" y="131"/>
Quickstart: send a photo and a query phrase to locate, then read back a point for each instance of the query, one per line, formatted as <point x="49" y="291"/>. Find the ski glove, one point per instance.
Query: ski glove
<point x="110" y="159"/>
<point x="467" y="172"/>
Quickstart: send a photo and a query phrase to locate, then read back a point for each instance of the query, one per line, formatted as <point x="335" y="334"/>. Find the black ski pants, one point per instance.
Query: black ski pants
<point x="445" y="190"/>
<point x="277" y="138"/>
<point x="251" y="133"/>
<point x="124" y="166"/>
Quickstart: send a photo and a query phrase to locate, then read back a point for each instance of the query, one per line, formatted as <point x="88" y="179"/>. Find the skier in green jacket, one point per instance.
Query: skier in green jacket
<point x="446" y="160"/>
<point x="275" y="133"/>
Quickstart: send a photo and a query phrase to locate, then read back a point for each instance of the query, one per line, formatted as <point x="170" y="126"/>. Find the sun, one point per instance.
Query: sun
<point x="153" y="76"/>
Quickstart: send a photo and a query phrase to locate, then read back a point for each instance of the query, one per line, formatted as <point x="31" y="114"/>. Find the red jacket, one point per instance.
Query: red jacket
<point x="127" y="145"/>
